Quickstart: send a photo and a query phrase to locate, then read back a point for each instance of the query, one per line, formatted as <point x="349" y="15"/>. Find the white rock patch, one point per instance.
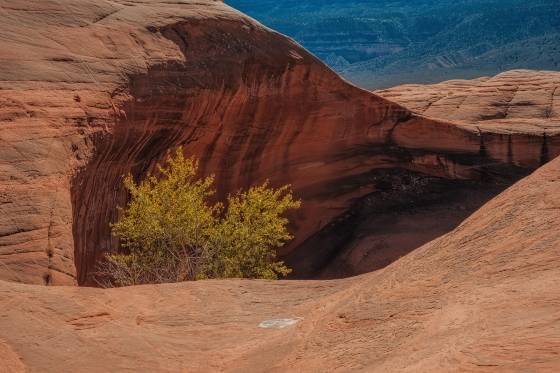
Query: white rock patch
<point x="279" y="323"/>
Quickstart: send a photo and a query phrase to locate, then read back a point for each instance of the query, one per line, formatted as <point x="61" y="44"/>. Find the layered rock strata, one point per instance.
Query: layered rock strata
<point x="91" y="90"/>
<point x="484" y="297"/>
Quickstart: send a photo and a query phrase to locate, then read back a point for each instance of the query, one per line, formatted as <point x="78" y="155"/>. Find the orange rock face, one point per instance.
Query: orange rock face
<point x="408" y="210"/>
<point x="512" y="104"/>
<point x="482" y="298"/>
<point x="91" y="90"/>
<point x="507" y="100"/>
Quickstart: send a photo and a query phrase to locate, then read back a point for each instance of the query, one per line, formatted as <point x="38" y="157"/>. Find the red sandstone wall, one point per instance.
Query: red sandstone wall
<point x="108" y="88"/>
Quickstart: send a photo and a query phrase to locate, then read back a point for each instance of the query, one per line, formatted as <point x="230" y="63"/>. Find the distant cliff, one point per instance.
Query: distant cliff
<point x="382" y="43"/>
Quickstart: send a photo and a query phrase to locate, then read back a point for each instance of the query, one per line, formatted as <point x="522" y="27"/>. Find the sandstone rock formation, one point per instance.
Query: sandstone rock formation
<point x="514" y="101"/>
<point x="408" y="210"/>
<point x="93" y="89"/>
<point x="482" y="298"/>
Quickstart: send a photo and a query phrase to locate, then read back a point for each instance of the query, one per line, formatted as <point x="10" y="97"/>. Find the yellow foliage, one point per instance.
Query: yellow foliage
<point x="172" y="231"/>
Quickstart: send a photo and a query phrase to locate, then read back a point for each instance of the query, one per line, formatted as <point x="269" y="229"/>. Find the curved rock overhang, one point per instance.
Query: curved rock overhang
<point x="107" y="88"/>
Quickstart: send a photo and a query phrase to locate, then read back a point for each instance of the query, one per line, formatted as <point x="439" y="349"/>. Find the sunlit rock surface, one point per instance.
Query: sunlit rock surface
<point x="91" y="90"/>
<point x="484" y="297"/>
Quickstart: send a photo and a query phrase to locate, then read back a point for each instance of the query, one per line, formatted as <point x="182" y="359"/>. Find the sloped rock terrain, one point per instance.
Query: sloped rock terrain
<point x="523" y="100"/>
<point x="482" y="298"/>
<point x="92" y="90"/>
<point x="406" y="209"/>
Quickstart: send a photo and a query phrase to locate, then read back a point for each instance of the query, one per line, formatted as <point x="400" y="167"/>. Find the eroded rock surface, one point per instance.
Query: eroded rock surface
<point x="91" y="90"/>
<point x="484" y="297"/>
<point x="408" y="209"/>
<point x="513" y="101"/>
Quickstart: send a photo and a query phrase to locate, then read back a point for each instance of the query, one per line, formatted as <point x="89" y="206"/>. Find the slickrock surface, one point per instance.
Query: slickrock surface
<point x="513" y="101"/>
<point x="408" y="210"/>
<point x="483" y="298"/>
<point x="93" y="89"/>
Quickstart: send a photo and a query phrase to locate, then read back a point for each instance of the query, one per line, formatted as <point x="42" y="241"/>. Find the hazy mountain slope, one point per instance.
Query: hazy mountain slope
<point x="387" y="42"/>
